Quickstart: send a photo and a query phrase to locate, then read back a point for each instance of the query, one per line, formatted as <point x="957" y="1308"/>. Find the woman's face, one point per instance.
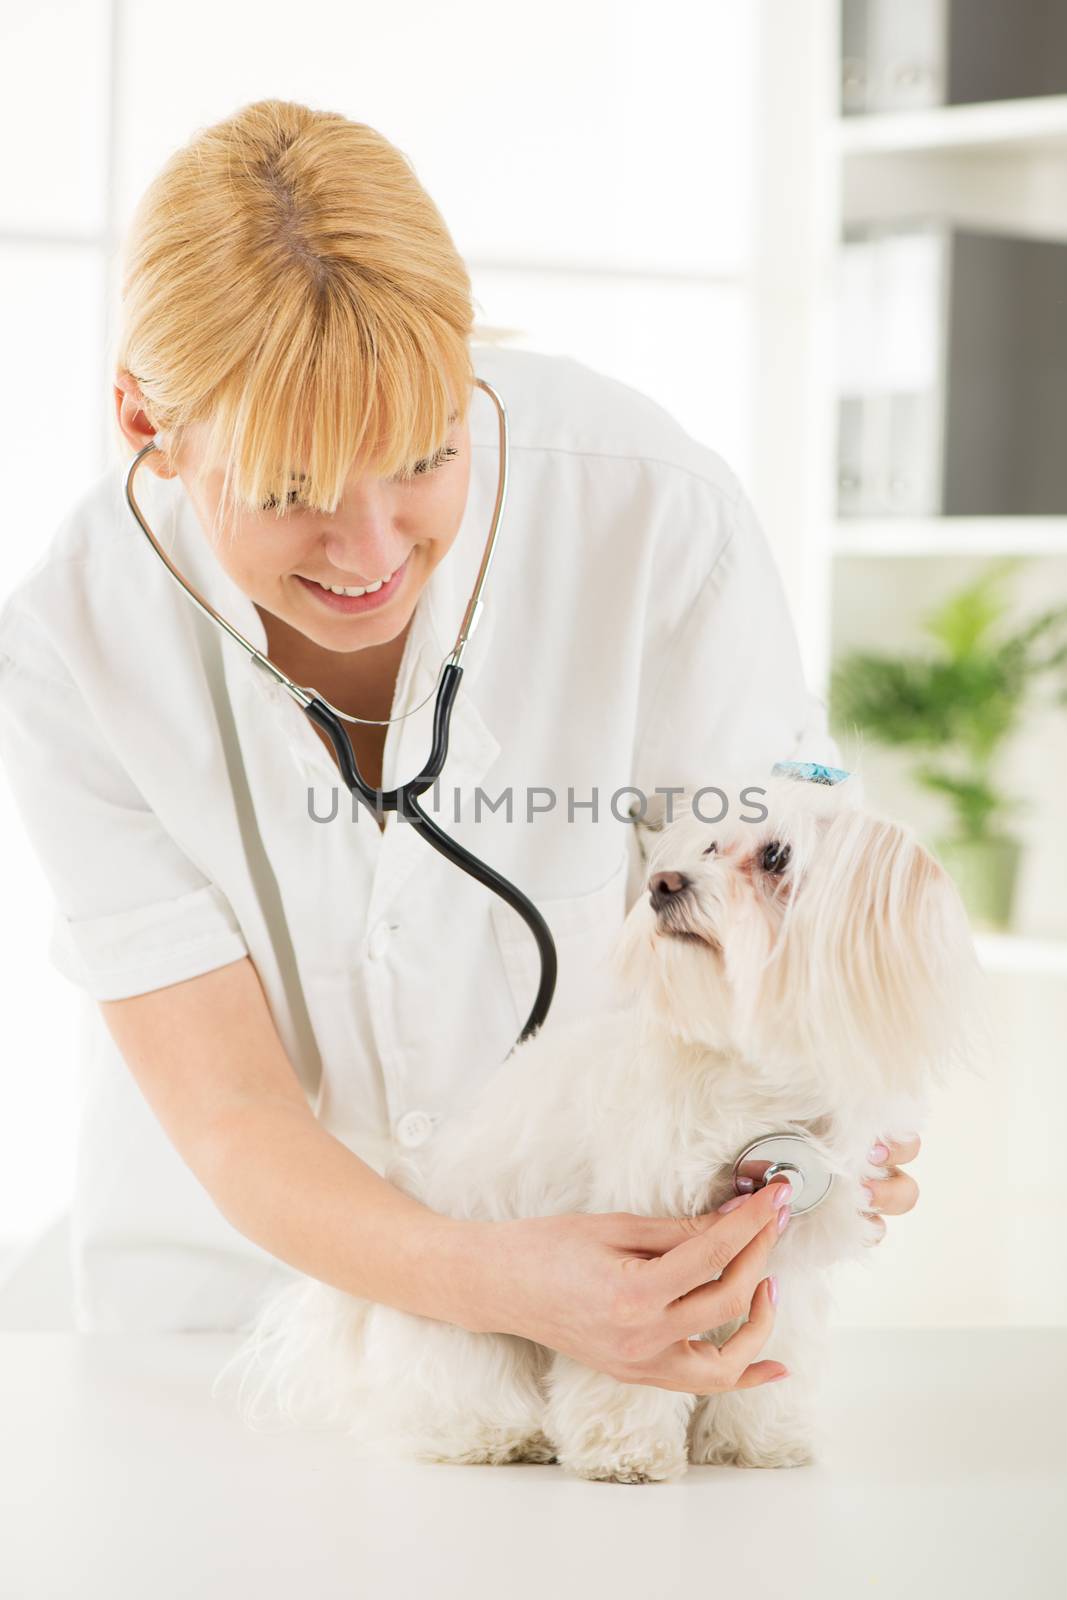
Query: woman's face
<point x="383" y="528"/>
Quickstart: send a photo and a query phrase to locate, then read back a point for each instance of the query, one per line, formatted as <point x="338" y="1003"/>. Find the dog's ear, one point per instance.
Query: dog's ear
<point x="657" y="813"/>
<point x="884" y="964"/>
<point x="662" y="808"/>
<point x="647" y="828"/>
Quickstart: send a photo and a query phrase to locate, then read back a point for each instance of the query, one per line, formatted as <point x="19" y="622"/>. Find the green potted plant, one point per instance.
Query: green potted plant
<point x="955" y="705"/>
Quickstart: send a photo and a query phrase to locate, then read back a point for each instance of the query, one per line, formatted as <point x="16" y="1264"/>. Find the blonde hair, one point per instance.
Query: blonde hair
<point x="287" y="281"/>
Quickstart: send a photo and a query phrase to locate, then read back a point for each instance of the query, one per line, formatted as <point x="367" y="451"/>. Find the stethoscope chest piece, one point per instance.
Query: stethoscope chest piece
<point x="789" y="1155"/>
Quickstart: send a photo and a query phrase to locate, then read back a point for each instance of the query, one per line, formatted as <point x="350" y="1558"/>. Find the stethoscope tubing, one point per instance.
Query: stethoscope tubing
<point x="405" y="801"/>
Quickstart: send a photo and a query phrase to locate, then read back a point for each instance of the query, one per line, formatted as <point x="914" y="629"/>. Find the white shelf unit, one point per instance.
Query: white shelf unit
<point x="950" y="536"/>
<point x="1000" y="165"/>
<point x="1035" y="126"/>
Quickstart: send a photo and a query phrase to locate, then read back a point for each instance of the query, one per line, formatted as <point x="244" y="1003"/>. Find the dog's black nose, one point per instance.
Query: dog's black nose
<point x="663" y="885"/>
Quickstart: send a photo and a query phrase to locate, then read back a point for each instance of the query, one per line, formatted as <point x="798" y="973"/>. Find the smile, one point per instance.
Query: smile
<point x="353" y="600"/>
<point x="370" y="588"/>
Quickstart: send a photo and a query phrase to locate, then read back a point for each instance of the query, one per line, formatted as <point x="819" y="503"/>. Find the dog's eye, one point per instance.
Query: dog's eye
<point x="775" y="857"/>
<point x="710" y="849"/>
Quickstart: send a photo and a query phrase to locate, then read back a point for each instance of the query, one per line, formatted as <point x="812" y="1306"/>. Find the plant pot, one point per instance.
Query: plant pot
<point x="985" y="873"/>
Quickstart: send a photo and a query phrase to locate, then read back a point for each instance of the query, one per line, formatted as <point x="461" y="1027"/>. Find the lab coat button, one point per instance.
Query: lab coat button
<point x="378" y="941"/>
<point x="414" y="1128"/>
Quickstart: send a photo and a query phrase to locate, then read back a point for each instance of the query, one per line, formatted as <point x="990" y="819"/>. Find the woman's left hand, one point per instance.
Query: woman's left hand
<point x="898" y="1191"/>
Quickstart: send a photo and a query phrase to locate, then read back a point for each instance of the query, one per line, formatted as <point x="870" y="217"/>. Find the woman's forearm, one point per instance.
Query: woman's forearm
<point x="286" y="1183"/>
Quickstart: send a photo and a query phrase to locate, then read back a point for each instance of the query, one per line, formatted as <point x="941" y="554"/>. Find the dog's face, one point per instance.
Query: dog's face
<point x="817" y="933"/>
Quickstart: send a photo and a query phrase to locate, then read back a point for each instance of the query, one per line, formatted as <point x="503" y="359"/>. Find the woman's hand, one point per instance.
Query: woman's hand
<point x="622" y="1294"/>
<point x="898" y="1191"/>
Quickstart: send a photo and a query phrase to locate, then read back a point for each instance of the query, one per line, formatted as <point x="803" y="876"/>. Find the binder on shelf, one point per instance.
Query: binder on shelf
<point x="899" y="55"/>
<point x="952" y="373"/>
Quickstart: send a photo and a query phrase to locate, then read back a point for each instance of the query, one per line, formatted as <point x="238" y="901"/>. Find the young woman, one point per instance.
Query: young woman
<point x="279" y="990"/>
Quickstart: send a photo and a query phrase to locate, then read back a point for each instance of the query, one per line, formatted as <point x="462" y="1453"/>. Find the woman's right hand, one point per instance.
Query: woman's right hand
<point x="623" y="1294"/>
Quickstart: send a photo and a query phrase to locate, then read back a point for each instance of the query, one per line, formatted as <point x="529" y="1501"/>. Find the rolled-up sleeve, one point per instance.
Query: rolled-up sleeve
<point x="725" y="695"/>
<point x="132" y="913"/>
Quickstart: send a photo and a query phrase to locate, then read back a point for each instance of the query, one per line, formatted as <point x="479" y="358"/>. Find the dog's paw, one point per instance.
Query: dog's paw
<point x="745" y="1453"/>
<point x="490" y="1447"/>
<point x="628" y="1460"/>
<point x="538" y="1449"/>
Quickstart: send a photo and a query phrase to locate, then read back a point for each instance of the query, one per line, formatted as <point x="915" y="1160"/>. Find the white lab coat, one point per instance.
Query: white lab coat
<point x="635" y="634"/>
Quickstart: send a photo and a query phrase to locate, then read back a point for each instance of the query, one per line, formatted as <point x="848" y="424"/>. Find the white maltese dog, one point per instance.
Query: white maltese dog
<point x="811" y="973"/>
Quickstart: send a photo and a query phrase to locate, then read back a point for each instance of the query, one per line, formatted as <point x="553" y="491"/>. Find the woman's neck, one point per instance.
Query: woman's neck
<point x="361" y="682"/>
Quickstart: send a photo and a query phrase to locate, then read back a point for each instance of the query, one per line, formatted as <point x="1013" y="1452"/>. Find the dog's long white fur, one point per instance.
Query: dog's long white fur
<point x="827" y="999"/>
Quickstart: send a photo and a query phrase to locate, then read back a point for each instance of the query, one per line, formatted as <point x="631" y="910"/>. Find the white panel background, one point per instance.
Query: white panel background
<point x="53" y="115"/>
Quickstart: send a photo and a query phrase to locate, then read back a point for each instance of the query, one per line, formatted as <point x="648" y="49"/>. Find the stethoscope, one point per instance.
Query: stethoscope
<point x="405" y="798"/>
<point x="789" y="1156"/>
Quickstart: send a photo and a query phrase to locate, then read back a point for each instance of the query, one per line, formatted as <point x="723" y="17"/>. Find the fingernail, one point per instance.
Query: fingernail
<point x="738" y="1200"/>
<point x="782" y="1195"/>
<point x="870" y="1191"/>
<point x="878" y="1153"/>
<point x="778" y="1376"/>
<point x="772" y="1289"/>
<point x="747" y="1185"/>
<point x="783" y="1218"/>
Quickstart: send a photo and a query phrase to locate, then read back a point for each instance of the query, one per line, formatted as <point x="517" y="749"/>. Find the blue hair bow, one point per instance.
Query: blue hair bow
<point x="808" y="772"/>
